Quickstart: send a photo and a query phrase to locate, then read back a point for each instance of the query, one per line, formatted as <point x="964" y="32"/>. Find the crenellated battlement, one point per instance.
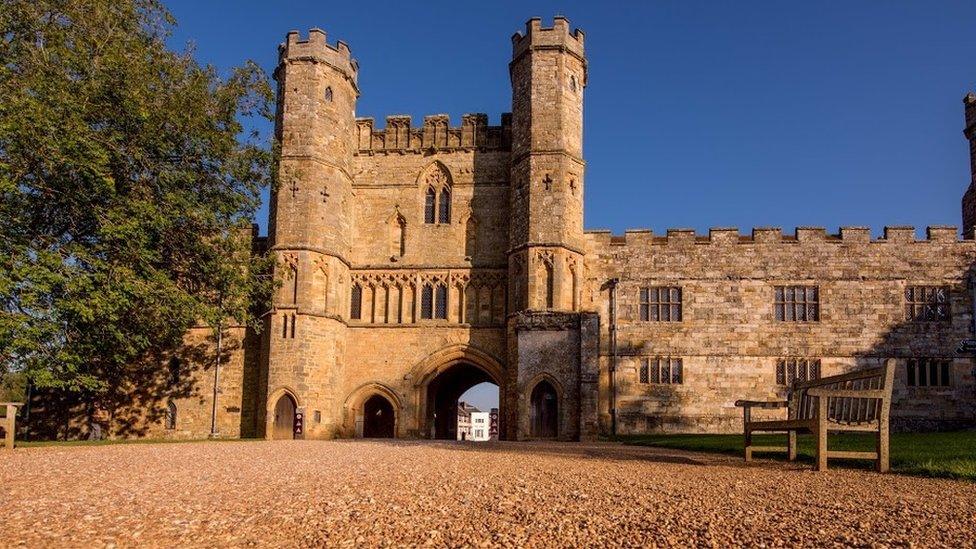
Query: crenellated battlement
<point x="436" y="134"/>
<point x="772" y="235"/>
<point x="315" y="48"/>
<point x="556" y="37"/>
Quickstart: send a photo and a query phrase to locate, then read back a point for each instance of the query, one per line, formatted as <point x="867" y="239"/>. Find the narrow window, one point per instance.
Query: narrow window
<point x="664" y="371"/>
<point x="550" y="282"/>
<point x="284" y="325"/>
<point x="429" y="201"/>
<point x="442" y="301"/>
<point x="427" y="302"/>
<point x="445" y="206"/>
<point x="644" y="376"/>
<point x="175" y="367"/>
<point x="797" y="304"/>
<point x="929" y="372"/>
<point x="660" y="304"/>
<point x="789" y="370"/>
<point x="927" y="304"/>
<point x="328" y="94"/>
<point x="356" y="303"/>
<point x="171" y="416"/>
<point x="293" y="326"/>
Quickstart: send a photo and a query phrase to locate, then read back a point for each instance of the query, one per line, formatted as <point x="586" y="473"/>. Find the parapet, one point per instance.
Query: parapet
<point x="774" y="235"/>
<point x="436" y="134"/>
<point x="970" y="102"/>
<point x="316" y="49"/>
<point x="556" y="37"/>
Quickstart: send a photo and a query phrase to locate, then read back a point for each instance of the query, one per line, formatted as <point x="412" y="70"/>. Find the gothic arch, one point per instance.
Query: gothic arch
<point x="272" y="401"/>
<point x="527" y="404"/>
<point x="353" y="407"/>
<point x="427" y="369"/>
<point x="435" y="185"/>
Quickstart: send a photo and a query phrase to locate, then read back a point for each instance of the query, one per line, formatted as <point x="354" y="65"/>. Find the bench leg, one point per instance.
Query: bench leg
<point x="9" y="435"/>
<point x="821" y="434"/>
<point x="748" y="436"/>
<point x="791" y="448"/>
<point x="883" y="450"/>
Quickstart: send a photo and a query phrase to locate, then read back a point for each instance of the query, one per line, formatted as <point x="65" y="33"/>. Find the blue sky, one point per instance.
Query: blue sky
<point x="697" y="114"/>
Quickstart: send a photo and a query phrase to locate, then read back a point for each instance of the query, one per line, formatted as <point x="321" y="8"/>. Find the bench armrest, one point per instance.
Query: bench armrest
<point x="761" y="404"/>
<point x="847" y="393"/>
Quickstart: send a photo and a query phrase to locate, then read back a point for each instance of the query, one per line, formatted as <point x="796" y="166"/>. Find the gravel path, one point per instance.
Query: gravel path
<point x="351" y="493"/>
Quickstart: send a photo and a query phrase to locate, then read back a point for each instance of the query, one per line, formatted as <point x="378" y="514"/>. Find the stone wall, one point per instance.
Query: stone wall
<point x="729" y="340"/>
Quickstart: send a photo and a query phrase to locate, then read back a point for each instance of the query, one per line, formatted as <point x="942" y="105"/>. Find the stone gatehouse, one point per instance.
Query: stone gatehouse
<point x="419" y="259"/>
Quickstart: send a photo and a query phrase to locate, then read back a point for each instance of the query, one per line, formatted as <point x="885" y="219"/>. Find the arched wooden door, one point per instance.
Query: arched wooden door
<point x="284" y="419"/>
<point x="379" y="421"/>
<point x="545" y="411"/>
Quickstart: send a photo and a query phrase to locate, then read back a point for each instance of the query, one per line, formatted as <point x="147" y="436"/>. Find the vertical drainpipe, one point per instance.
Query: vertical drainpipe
<point x="613" y="355"/>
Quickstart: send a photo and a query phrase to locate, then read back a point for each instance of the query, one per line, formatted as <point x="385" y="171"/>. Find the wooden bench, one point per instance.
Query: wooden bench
<point x="857" y="401"/>
<point x="9" y="424"/>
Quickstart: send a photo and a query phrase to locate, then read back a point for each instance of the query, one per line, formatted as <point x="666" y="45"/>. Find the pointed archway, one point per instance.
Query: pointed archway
<point x="544" y="411"/>
<point x="284" y="418"/>
<point x="443" y="377"/>
<point x="379" y="419"/>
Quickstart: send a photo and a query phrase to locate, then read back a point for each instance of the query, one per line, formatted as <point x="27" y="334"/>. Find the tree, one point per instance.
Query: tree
<point x="127" y="176"/>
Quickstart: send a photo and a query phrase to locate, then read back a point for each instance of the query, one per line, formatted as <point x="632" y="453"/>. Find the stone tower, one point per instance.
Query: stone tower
<point x="548" y="73"/>
<point x="552" y="348"/>
<point x="310" y="231"/>
<point x="969" y="199"/>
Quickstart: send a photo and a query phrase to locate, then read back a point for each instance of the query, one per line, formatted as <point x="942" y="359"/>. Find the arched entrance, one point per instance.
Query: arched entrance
<point x="284" y="417"/>
<point x="443" y="393"/>
<point x="544" y="415"/>
<point x="379" y="420"/>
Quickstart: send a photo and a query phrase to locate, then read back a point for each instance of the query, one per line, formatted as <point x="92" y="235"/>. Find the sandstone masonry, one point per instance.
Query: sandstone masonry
<point x="418" y="261"/>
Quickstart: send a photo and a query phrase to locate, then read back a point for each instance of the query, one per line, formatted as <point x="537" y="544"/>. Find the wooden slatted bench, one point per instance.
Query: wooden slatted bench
<point x="9" y="424"/>
<point x="858" y="401"/>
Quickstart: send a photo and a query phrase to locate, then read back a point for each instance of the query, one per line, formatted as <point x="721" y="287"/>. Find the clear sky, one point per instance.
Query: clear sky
<point x="697" y="114"/>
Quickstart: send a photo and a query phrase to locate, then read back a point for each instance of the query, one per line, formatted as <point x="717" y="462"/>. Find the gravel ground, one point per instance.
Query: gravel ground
<point x="369" y="493"/>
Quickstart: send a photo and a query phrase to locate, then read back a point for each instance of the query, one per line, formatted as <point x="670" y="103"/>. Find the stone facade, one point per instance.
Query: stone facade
<point x="417" y="262"/>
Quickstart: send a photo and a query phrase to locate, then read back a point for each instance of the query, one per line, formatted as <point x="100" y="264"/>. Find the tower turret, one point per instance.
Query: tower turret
<point x="310" y="229"/>
<point x="548" y="74"/>
<point x="969" y="199"/>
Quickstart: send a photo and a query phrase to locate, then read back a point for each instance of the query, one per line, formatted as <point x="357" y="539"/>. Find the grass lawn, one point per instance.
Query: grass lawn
<point x="951" y="455"/>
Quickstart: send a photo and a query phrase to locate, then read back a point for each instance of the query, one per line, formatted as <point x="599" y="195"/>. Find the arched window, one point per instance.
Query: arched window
<point x="429" y="209"/>
<point x="442" y="301"/>
<point x="445" y="206"/>
<point x="427" y="302"/>
<point x="328" y="94"/>
<point x="356" y="303"/>
<point x="171" y="416"/>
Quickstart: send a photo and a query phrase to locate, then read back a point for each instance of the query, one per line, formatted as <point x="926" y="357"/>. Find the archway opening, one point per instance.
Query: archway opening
<point x="478" y="413"/>
<point x="544" y="410"/>
<point x="284" y="418"/>
<point x="443" y="394"/>
<point x="379" y="420"/>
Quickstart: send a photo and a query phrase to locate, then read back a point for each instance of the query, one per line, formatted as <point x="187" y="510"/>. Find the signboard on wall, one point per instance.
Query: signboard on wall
<point x="299" y="427"/>
<point x="493" y="424"/>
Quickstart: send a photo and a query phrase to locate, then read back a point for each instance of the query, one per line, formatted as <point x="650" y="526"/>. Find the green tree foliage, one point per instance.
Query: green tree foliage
<point x="127" y="183"/>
